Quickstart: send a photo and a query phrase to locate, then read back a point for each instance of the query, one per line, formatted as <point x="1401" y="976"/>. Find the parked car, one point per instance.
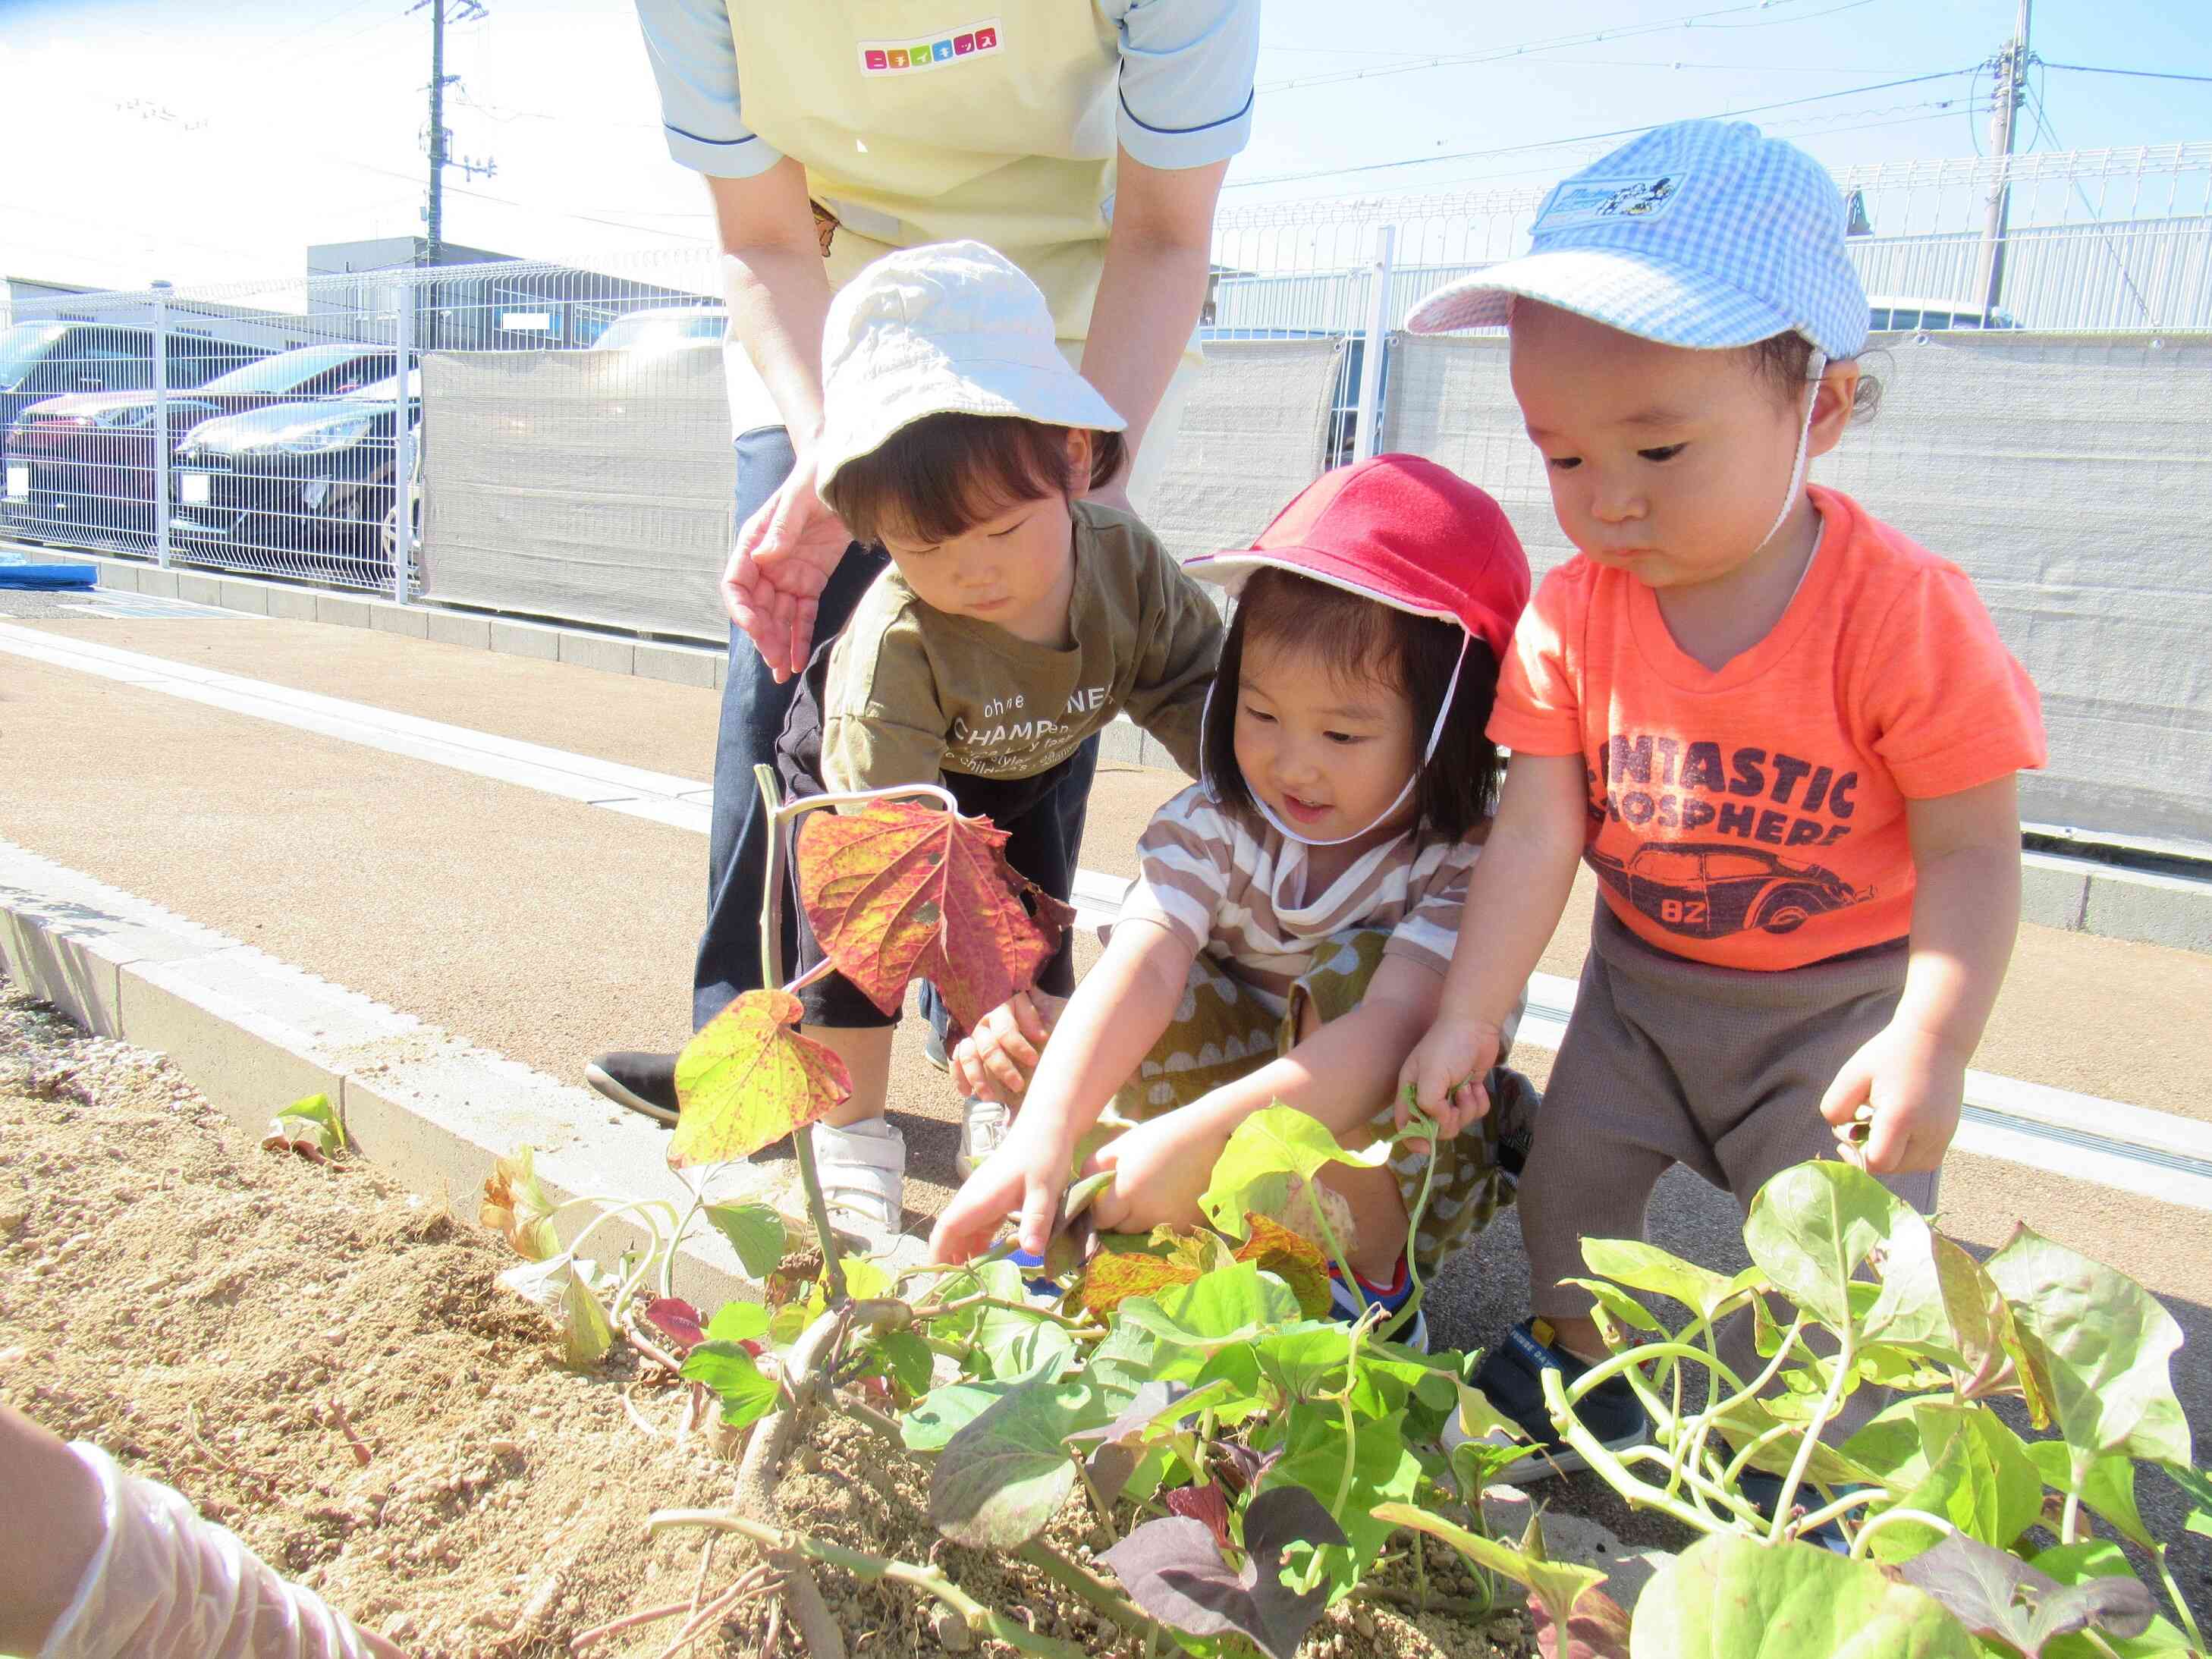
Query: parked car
<point x="44" y="359"/>
<point x="1889" y="312"/>
<point x="258" y="489"/>
<point x="87" y="461"/>
<point x="1709" y="890"/>
<point x="664" y="328"/>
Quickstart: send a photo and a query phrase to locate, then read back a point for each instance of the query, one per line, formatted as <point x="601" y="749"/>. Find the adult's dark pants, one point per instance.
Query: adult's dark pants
<point x="753" y="710"/>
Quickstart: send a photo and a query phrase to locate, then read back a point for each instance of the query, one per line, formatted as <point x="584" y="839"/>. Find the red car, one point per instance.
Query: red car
<point x="84" y="464"/>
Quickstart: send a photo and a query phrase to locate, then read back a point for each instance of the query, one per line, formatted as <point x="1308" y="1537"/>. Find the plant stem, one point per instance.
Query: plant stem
<point x="2069" y="1521"/>
<point x="676" y="1239"/>
<point x="1836" y="1511"/>
<point x="980" y="1619"/>
<point x="1830" y="1398"/>
<point x="1467" y="1606"/>
<point x="1102" y="1597"/>
<point x="1413" y="1232"/>
<point x="1865" y="1536"/>
<point x="2180" y="1605"/>
<point x="1335" y="1250"/>
<point x="802" y="1143"/>
<point x="1609" y="1466"/>
<point x="1076" y="1322"/>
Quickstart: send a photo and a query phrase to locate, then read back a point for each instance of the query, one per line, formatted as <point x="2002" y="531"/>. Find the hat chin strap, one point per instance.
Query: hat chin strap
<point x="1797" y="470"/>
<point x="1436" y="736"/>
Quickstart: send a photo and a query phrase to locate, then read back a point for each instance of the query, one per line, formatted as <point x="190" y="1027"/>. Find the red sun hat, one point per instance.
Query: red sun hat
<point x="1403" y="531"/>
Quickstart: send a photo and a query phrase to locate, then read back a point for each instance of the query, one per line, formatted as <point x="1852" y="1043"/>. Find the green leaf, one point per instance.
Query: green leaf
<point x="1382" y="1471"/>
<point x="1908" y="1315"/>
<point x="312" y="1119"/>
<point x="1991" y="1360"/>
<point x="747" y="1393"/>
<point x="2107" y="1344"/>
<point x="907" y="1360"/>
<point x="1254" y="1172"/>
<point x="1558" y="1584"/>
<point x="1963" y="1464"/>
<point x="585" y="1332"/>
<point x="1189" y="1323"/>
<point x="1729" y="1596"/>
<point x="2197" y="1486"/>
<point x="738" y="1321"/>
<point x="2108" y="1488"/>
<point x="942" y="1413"/>
<point x="1643" y="1266"/>
<point x="1021" y="1344"/>
<point x="1620" y="1310"/>
<point x="747" y="1079"/>
<point x="1812" y="1226"/>
<point x="754" y="1232"/>
<point x="1001" y="1477"/>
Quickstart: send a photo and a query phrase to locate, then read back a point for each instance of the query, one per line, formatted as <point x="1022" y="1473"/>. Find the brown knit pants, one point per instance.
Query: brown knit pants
<point x="1668" y="1061"/>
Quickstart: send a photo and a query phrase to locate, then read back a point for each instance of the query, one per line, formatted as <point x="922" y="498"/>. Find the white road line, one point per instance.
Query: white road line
<point x="2159" y="1154"/>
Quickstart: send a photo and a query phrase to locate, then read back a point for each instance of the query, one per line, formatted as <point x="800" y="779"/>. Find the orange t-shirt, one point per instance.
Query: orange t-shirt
<point x="1754" y="815"/>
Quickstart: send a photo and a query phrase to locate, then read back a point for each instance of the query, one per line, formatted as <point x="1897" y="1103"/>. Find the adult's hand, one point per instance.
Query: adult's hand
<point x="783" y="559"/>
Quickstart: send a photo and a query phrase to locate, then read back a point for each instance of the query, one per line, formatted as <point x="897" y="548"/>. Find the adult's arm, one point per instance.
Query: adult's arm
<point x="778" y="294"/>
<point x="1184" y="108"/>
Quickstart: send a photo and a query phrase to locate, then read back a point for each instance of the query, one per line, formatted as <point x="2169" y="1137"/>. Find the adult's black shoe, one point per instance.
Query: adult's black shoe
<point x="644" y="1083"/>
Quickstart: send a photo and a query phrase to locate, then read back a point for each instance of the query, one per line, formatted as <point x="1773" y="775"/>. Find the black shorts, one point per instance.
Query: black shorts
<point x="1042" y="815"/>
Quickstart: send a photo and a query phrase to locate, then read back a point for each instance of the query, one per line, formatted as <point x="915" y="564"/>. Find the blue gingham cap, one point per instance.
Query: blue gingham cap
<point x="1699" y="233"/>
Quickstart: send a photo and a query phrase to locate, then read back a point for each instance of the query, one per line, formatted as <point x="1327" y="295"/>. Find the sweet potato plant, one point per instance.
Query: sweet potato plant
<point x="1252" y="1457"/>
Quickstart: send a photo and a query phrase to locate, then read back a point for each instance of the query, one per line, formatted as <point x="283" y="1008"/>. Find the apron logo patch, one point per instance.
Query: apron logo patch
<point x="904" y="57"/>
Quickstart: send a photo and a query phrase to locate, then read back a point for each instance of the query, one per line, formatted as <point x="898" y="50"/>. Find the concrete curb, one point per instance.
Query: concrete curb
<point x="252" y="1033"/>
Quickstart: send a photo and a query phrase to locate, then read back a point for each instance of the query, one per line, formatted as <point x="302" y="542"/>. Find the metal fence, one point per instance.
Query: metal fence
<point x="285" y="429"/>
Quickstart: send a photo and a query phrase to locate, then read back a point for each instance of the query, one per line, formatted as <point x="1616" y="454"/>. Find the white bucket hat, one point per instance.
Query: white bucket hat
<point x="1701" y="233"/>
<point x="954" y="328"/>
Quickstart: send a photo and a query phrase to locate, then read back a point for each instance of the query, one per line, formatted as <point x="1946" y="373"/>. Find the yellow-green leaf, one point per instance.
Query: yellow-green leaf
<point x="748" y="1079"/>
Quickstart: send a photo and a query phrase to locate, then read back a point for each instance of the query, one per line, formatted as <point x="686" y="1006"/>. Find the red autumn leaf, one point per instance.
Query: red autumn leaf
<point x="746" y="1080"/>
<point x="1598" y="1629"/>
<point x="1203" y="1503"/>
<point x="904" y="890"/>
<point x="677" y="1320"/>
<point x="1113" y="1276"/>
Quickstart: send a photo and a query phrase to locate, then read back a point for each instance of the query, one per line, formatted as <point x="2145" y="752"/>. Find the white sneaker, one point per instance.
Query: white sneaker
<point x="862" y="1170"/>
<point x="984" y="1126"/>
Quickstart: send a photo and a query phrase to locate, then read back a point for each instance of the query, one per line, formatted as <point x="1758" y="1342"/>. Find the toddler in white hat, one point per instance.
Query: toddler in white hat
<point x="1783" y="736"/>
<point x="1013" y="621"/>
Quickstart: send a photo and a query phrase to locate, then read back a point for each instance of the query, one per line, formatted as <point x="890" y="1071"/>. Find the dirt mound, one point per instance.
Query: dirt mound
<point x="248" y="1326"/>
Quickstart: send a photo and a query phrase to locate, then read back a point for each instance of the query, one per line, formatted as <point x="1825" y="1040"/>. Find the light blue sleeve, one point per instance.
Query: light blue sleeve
<point x="694" y="60"/>
<point x="1186" y="74"/>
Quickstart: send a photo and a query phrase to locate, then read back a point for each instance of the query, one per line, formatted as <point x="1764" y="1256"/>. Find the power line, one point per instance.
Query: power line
<point x="2143" y="75"/>
<point x="1614" y="133"/>
<point x="1584" y="37"/>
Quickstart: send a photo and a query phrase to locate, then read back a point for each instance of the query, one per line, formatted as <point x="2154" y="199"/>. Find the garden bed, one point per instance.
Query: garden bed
<point x="324" y="1362"/>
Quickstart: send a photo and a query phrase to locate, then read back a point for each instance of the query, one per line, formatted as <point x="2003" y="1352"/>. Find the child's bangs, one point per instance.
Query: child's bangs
<point x="1353" y="638"/>
<point x="945" y="474"/>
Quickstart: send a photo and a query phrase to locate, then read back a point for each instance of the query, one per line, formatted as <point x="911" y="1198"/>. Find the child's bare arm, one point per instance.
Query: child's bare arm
<point x="1514" y="899"/>
<point x="1110" y="1024"/>
<point x="1337" y="1074"/>
<point x="1965" y="913"/>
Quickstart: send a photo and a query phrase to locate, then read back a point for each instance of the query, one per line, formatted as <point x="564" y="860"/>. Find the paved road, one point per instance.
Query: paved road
<point x="548" y="928"/>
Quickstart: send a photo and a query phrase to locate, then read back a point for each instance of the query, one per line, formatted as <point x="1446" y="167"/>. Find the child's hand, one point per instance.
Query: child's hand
<point x="1913" y="1084"/>
<point x="1444" y="1074"/>
<point x="1161" y="1169"/>
<point x="996" y="1060"/>
<point x="1025" y="1177"/>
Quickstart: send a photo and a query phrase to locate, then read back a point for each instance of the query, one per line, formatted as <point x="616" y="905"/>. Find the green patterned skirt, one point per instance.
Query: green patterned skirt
<point x="1224" y="1028"/>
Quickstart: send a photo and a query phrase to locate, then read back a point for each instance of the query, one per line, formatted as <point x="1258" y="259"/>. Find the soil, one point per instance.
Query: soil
<point x="218" y="1316"/>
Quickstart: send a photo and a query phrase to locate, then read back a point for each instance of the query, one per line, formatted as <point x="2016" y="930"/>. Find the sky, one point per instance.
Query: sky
<point x="212" y="143"/>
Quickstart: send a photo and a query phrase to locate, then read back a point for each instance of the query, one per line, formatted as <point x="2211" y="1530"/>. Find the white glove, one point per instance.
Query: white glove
<point x="166" y="1584"/>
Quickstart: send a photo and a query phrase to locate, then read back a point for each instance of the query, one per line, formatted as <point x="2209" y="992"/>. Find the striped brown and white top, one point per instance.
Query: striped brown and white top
<point x="1240" y="896"/>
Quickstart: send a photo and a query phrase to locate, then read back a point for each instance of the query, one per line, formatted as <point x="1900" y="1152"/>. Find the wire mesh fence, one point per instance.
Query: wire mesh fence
<point x="289" y="427"/>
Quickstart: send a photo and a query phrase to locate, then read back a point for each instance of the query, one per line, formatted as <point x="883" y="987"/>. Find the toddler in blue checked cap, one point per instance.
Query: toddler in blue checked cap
<point x="1784" y="736"/>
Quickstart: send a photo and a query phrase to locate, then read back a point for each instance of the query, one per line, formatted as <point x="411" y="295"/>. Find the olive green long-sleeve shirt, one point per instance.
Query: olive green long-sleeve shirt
<point x="913" y="692"/>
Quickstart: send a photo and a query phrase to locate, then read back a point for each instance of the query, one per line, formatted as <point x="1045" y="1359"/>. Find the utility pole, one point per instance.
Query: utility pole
<point x="2010" y="93"/>
<point x="440" y="138"/>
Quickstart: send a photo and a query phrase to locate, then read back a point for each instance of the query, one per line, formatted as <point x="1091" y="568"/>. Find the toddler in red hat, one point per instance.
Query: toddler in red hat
<point x="1288" y="936"/>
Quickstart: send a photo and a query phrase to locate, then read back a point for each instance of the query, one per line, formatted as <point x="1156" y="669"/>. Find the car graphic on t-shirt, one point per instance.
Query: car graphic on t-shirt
<point x="1708" y="890"/>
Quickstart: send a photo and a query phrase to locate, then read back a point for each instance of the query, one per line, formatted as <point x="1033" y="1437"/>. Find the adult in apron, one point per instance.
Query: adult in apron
<point x="1083" y="139"/>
